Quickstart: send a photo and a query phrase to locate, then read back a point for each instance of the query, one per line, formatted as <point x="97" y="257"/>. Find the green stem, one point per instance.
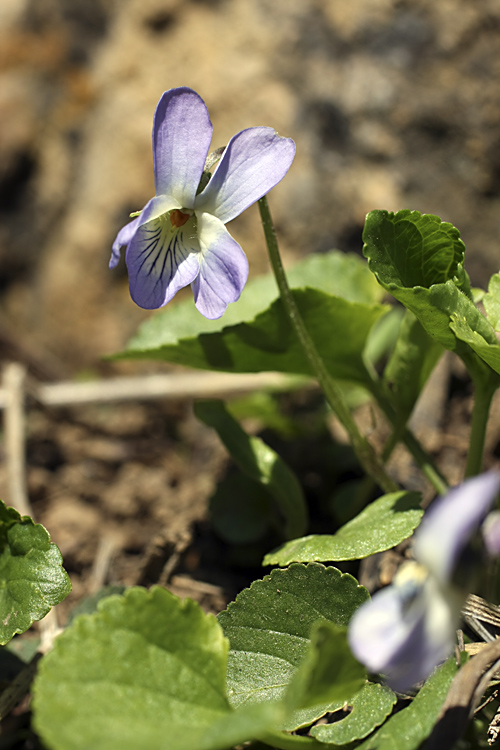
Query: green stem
<point x="404" y="434"/>
<point x="425" y="462"/>
<point x="483" y="394"/>
<point x="363" y="449"/>
<point x="399" y="434"/>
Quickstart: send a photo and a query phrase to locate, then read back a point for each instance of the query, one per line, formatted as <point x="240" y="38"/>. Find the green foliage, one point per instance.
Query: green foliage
<point x="269" y="628"/>
<point x="383" y="336"/>
<point x="380" y="526"/>
<point x="260" y="463"/>
<point x="255" y="334"/>
<point x="369" y="708"/>
<point x="419" y="260"/>
<point x="149" y="670"/>
<point x="410" y="364"/>
<point x="491" y="301"/>
<point x="407" y="729"/>
<point x="32" y="579"/>
<point x="144" y="668"/>
<point x="147" y="666"/>
<point x="489" y="352"/>
<point x="329" y="670"/>
<point x="409" y="249"/>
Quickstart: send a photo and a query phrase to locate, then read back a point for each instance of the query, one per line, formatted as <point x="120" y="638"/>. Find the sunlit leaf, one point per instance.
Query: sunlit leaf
<point x="269" y="628"/>
<point x="368" y="709"/>
<point x="409" y="249"/>
<point x="419" y="260"/>
<point x="488" y="352"/>
<point x="145" y="670"/>
<point x="407" y="729"/>
<point x="329" y="671"/>
<point x="32" y="579"/>
<point x="380" y="526"/>
<point x="255" y="333"/>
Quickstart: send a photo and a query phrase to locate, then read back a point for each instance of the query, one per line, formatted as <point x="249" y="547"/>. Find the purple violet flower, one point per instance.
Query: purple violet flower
<point x="408" y="628"/>
<point x="179" y="238"/>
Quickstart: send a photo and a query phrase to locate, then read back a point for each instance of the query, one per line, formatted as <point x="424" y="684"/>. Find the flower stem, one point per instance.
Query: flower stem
<point x="483" y="394"/>
<point x="363" y="449"/>
<point x="404" y="434"/>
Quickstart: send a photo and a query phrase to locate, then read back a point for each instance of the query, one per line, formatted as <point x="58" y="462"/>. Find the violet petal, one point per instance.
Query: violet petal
<point x="491" y="533"/>
<point x="161" y="259"/>
<point x="223" y="268"/>
<point x="404" y="632"/>
<point x="153" y="209"/>
<point x="254" y="161"/>
<point x="122" y="238"/>
<point x="182" y="132"/>
<point x="451" y="521"/>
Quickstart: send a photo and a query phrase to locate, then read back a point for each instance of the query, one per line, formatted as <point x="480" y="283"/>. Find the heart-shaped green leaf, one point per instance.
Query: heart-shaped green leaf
<point x="269" y="628"/>
<point x="147" y="670"/>
<point x="260" y="463"/>
<point x="32" y="579"/>
<point x="409" y="249"/>
<point x="255" y="333"/>
<point x="368" y="709"/>
<point x="418" y="259"/>
<point x="380" y="526"/>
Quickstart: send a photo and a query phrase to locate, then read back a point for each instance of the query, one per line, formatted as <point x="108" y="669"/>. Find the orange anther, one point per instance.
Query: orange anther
<point x="177" y="218"/>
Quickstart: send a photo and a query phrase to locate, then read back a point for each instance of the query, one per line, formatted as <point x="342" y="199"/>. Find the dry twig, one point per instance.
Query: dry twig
<point x="14" y="379"/>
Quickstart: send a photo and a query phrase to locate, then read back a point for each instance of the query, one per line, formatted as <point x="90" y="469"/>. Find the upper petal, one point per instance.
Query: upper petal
<point x="254" y="161"/>
<point x="223" y="268"/>
<point x="161" y="260"/>
<point x="182" y="132"/>
<point x="451" y="521"/>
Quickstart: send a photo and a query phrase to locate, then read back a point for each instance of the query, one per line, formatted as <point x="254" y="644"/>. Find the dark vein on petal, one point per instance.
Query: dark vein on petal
<point x="151" y="247"/>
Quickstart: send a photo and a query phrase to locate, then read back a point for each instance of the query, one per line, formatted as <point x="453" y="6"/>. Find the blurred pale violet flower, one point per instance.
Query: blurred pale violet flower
<point x="179" y="238"/>
<point x="491" y="533"/>
<point x="408" y="628"/>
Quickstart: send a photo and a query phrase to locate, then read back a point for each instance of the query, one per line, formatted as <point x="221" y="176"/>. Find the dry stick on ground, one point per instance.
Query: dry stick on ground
<point x="478" y="614"/>
<point x="166" y="386"/>
<point x="108" y="544"/>
<point x="14" y="379"/>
